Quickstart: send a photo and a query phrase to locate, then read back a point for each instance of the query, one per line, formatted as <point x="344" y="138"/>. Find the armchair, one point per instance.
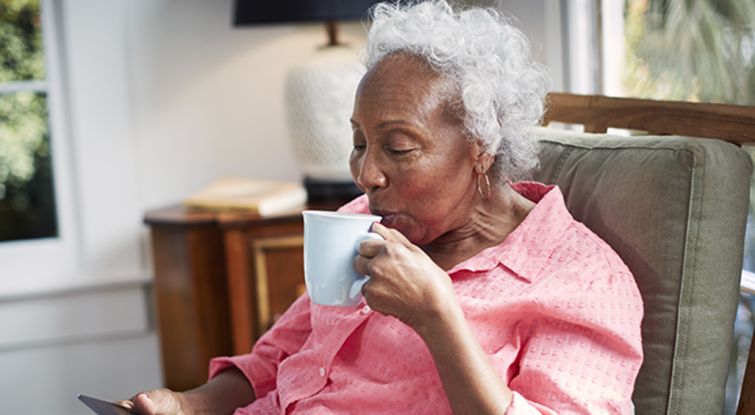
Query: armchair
<point x="675" y="209"/>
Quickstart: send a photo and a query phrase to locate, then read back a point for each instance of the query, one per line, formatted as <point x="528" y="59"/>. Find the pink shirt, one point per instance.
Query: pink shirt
<point x="553" y="306"/>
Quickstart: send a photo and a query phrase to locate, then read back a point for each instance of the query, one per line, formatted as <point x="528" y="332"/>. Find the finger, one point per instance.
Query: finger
<point x="390" y="234"/>
<point x="131" y="399"/>
<point x="360" y="264"/>
<point x="371" y="294"/>
<point x="143" y="404"/>
<point x="366" y="290"/>
<point x="126" y="404"/>
<point x="371" y="247"/>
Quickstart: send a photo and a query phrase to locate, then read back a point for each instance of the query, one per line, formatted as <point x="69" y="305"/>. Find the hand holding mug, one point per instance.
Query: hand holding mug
<point x="404" y="282"/>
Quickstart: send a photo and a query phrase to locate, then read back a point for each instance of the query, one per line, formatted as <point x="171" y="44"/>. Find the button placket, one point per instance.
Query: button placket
<point x="329" y="348"/>
<point x="333" y="344"/>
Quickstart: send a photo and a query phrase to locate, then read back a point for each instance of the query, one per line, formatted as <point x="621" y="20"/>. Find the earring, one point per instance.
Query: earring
<point x="484" y="194"/>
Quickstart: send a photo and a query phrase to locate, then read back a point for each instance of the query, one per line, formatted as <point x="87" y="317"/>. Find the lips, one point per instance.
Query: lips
<point x="391" y="220"/>
<point x="379" y="212"/>
<point x="387" y="216"/>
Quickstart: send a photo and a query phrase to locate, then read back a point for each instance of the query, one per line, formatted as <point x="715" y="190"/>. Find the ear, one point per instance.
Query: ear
<point x="482" y="159"/>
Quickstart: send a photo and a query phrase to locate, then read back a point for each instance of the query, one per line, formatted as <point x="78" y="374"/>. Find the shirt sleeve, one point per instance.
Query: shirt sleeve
<point x="285" y="338"/>
<point x="582" y="353"/>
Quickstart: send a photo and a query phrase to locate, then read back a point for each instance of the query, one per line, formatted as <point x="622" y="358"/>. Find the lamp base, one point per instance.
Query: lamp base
<point x="328" y="191"/>
<point x="319" y="101"/>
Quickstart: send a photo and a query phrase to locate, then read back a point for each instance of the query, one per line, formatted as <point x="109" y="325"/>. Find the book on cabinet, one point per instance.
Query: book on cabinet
<point x="247" y="195"/>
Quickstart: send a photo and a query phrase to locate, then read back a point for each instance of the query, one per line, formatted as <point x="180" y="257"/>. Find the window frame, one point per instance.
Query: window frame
<point x="46" y="263"/>
<point x="581" y="34"/>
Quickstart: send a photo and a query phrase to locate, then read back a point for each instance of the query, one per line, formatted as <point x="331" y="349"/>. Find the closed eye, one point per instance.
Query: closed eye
<point x="399" y="151"/>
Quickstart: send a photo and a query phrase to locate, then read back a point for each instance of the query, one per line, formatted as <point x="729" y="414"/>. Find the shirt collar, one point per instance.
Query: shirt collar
<point x="526" y="249"/>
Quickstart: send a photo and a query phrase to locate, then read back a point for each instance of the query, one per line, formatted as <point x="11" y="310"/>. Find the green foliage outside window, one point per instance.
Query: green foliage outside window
<point x="700" y="50"/>
<point x="23" y="131"/>
<point x="21" y="54"/>
<point x="27" y="204"/>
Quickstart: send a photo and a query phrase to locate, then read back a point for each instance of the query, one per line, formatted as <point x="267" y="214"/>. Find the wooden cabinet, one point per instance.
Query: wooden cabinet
<point x="190" y="291"/>
<point x="265" y="272"/>
<point x="220" y="281"/>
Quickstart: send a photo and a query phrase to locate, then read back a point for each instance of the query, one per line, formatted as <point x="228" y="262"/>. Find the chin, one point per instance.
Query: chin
<point x="407" y="227"/>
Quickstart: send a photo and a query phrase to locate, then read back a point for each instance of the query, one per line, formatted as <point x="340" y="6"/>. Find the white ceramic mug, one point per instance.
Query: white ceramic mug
<point x="331" y="240"/>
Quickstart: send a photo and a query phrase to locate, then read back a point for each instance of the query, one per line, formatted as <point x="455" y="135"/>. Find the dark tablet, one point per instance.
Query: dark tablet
<point x="101" y="407"/>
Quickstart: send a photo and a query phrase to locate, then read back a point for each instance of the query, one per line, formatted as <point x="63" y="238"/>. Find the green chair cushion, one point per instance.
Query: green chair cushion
<point x="674" y="209"/>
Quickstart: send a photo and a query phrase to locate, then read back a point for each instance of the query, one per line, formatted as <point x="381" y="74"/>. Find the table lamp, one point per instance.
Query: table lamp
<point x="319" y="92"/>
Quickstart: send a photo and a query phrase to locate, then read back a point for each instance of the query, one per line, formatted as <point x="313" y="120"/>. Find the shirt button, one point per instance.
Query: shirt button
<point x="366" y="309"/>
<point x="322" y="371"/>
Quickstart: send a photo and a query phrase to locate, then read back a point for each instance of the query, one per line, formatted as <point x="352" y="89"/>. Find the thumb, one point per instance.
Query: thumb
<point x="156" y="402"/>
<point x="143" y="404"/>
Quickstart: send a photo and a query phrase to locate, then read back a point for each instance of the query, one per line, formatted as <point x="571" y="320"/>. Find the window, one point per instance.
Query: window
<point x="27" y="201"/>
<point x="37" y="238"/>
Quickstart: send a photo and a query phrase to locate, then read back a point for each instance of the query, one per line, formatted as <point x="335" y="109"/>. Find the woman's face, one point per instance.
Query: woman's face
<point x="410" y="154"/>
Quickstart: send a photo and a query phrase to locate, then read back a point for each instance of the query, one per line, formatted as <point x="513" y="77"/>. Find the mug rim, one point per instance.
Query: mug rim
<point x="329" y="213"/>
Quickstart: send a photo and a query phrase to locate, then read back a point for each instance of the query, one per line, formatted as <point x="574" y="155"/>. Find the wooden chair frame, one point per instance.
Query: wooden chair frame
<point x="732" y="123"/>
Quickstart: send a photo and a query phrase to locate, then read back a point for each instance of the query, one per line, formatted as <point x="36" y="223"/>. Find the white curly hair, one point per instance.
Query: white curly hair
<point x="501" y="88"/>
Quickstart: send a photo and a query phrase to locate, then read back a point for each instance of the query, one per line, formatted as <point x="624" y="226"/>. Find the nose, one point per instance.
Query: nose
<point x="369" y="174"/>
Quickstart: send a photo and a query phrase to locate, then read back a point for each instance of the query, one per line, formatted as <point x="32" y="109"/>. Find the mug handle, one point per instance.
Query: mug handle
<point x="356" y="288"/>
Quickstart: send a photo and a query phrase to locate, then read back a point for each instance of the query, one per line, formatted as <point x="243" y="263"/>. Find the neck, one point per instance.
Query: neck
<point x="490" y="222"/>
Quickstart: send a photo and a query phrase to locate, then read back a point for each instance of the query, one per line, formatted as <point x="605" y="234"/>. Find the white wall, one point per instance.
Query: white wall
<point x="208" y="98"/>
<point x="95" y="341"/>
<point x="163" y="97"/>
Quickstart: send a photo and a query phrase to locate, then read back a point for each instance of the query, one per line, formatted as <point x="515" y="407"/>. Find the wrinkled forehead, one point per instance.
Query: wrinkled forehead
<point x="406" y="81"/>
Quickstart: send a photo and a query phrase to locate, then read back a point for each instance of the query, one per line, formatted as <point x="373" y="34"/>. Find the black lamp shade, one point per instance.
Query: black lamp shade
<point x="251" y="12"/>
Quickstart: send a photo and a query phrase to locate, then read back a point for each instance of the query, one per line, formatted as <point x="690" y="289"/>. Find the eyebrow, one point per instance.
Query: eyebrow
<point x="391" y="123"/>
<point x="396" y="123"/>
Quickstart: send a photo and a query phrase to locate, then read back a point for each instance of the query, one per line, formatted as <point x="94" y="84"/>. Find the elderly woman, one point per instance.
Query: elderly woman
<point x="486" y="296"/>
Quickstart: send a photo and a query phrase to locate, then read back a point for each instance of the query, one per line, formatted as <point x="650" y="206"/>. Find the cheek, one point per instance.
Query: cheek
<point x="354" y="165"/>
<point x="434" y="196"/>
<point x="427" y="196"/>
<point x="430" y="198"/>
<point x="435" y="185"/>
<point x="353" y="168"/>
<point x="416" y="187"/>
